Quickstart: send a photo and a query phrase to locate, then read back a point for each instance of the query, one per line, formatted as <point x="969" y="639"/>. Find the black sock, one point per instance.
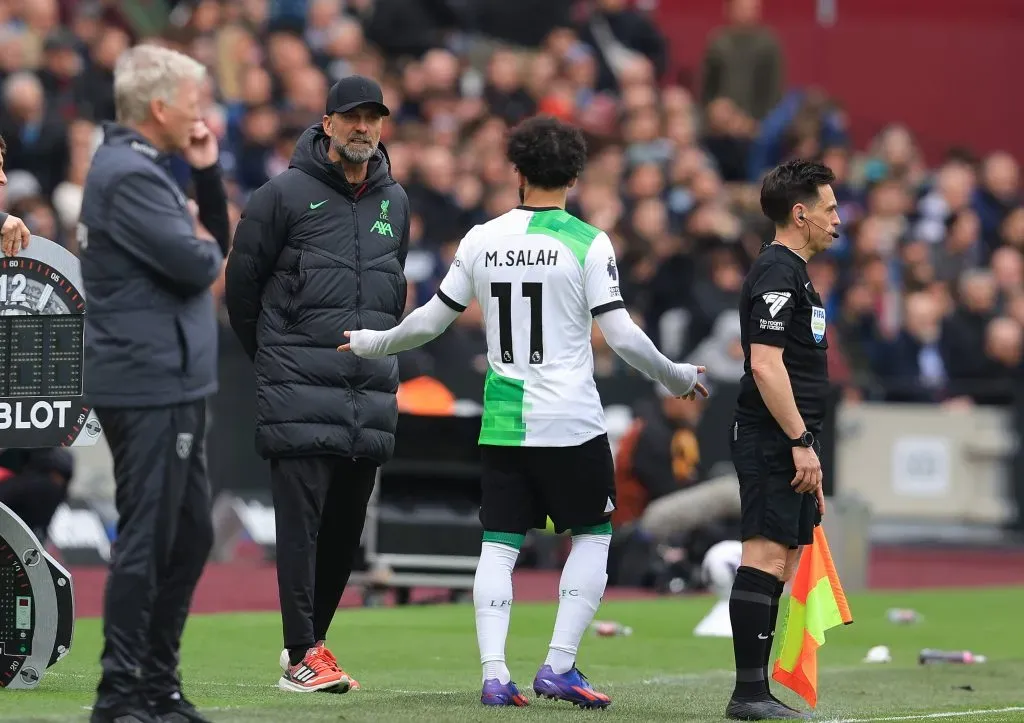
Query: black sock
<point x="750" y="610"/>
<point x="771" y="634"/>
<point x="295" y="655"/>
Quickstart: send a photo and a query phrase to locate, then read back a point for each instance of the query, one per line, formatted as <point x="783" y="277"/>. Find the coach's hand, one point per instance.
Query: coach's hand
<point x="808" y="470"/>
<point x="202" y="151"/>
<point x="14" y="236"/>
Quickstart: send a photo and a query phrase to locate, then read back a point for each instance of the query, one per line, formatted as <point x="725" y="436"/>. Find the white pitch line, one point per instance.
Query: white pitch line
<point x="215" y="684"/>
<point x="930" y="716"/>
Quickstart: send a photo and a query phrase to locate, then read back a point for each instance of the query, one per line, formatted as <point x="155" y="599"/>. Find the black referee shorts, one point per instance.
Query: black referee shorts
<point x="522" y="486"/>
<point x="769" y="507"/>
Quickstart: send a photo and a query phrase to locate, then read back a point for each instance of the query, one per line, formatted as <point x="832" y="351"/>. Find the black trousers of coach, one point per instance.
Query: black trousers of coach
<point x="319" y="511"/>
<point x="164" y="536"/>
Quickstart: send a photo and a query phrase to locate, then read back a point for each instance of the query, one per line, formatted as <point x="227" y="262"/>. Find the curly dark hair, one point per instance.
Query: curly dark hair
<point x="549" y="153"/>
<point x="792" y="183"/>
<point x="3" y="146"/>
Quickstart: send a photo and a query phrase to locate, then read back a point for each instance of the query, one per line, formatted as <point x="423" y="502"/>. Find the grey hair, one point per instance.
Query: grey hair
<point x="14" y="80"/>
<point x="146" y="73"/>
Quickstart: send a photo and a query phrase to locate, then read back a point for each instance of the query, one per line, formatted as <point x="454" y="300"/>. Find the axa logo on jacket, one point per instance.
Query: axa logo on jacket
<point x="382" y="226"/>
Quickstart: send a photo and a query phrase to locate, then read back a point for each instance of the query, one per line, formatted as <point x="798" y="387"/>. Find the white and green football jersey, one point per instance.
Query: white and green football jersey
<point x="540" y="276"/>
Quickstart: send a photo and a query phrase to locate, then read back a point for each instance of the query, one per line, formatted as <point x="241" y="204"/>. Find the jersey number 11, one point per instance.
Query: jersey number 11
<point x="534" y="291"/>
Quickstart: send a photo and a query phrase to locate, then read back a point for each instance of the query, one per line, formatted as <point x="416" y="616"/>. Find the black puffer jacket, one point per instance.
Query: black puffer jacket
<point x="314" y="256"/>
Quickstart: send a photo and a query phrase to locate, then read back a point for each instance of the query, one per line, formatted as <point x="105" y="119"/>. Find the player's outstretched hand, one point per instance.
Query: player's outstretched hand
<point x="364" y="343"/>
<point x="15" y="236"/>
<point x="686" y="384"/>
<point x="698" y="388"/>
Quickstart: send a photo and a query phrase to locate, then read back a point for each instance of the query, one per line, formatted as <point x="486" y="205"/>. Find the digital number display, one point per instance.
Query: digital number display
<point x="41" y="356"/>
<point x="15" y="612"/>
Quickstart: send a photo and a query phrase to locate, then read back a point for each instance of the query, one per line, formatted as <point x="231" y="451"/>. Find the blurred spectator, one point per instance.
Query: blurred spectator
<point x="721" y="352"/>
<point x="36" y="139"/>
<point x="1008" y="271"/>
<point x="1004" y="352"/>
<point x="404" y="27"/>
<point x="622" y="36"/>
<point x="961" y="248"/>
<point x="997" y="195"/>
<point x="658" y="455"/>
<point x="58" y="72"/>
<point x="964" y="329"/>
<point x="951" y="194"/>
<point x="895" y="155"/>
<point x="94" y="88"/>
<point x="744" y="62"/>
<point x="913" y="363"/>
<point x="728" y="138"/>
<point x="504" y="92"/>
<point x="801" y="125"/>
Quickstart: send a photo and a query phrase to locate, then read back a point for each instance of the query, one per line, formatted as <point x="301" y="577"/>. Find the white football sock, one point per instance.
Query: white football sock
<point x="492" y="597"/>
<point x="583" y="581"/>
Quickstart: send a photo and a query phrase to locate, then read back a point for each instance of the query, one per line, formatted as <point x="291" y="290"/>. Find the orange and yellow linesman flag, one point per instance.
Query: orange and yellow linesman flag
<point x="817" y="603"/>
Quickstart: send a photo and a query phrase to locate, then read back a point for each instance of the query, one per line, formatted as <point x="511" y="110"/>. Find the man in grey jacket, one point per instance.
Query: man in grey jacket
<point x="150" y="362"/>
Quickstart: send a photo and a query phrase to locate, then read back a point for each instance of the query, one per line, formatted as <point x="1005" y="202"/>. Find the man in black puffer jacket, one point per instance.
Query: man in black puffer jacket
<point x="320" y="249"/>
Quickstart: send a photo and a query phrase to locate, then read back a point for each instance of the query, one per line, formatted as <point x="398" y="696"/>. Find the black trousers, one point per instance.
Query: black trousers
<point x="164" y="536"/>
<point x="319" y="511"/>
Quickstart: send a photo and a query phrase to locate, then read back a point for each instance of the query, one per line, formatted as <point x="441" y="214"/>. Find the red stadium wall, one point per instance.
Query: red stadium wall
<point x="950" y="69"/>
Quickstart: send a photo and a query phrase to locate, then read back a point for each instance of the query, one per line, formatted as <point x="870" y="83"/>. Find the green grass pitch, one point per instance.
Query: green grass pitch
<point x="420" y="664"/>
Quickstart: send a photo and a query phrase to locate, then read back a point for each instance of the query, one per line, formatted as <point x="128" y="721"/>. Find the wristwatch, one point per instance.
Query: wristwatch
<point x="806" y="439"/>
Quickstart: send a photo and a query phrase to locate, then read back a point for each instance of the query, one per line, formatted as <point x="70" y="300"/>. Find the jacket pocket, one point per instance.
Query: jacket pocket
<point x="296" y="280"/>
<point x="182" y="344"/>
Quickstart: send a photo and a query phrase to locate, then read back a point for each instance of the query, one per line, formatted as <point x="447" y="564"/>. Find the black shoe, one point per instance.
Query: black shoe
<point x="122" y="714"/>
<point x="176" y="709"/>
<point x="784" y="705"/>
<point x="766" y="708"/>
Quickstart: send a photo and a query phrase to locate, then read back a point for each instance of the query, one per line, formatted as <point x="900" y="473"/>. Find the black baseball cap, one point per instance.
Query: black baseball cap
<point x="354" y="91"/>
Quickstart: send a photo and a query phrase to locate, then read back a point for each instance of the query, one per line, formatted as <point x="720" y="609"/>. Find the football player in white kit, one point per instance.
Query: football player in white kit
<point x="541" y="276"/>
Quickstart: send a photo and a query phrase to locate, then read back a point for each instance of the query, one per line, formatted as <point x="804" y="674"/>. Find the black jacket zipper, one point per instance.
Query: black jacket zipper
<point x="359" y="266"/>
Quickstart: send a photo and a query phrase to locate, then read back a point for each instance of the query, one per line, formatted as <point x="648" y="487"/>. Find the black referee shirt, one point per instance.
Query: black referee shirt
<point x="779" y="307"/>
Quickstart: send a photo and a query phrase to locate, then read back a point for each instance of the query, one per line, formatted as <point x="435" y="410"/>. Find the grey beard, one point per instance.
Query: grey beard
<point x="352" y="154"/>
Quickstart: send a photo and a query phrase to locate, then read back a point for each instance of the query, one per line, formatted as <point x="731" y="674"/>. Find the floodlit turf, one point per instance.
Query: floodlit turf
<point x="420" y="664"/>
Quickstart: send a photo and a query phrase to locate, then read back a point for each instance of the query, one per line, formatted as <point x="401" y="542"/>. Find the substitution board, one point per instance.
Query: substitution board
<point x="42" y="346"/>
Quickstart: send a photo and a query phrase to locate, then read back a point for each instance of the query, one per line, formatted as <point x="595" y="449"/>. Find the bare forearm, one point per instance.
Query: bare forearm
<point x="772" y="381"/>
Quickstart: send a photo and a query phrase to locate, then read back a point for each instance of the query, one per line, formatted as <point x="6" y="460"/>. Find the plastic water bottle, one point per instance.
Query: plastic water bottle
<point x="610" y="628"/>
<point x="965" y="657"/>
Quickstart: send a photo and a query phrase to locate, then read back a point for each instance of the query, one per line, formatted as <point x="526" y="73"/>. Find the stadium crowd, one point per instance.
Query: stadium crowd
<point x="925" y="287"/>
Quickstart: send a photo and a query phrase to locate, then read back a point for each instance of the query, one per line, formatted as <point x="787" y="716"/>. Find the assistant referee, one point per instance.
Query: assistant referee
<point x="779" y="412"/>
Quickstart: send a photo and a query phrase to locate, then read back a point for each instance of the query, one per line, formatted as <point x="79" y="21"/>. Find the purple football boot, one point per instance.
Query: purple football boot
<point x="497" y="693"/>
<point x="572" y="686"/>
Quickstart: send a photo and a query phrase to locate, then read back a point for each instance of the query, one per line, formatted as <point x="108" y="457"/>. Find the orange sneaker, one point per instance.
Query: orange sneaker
<point x="353" y="684"/>
<point x="315" y="672"/>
